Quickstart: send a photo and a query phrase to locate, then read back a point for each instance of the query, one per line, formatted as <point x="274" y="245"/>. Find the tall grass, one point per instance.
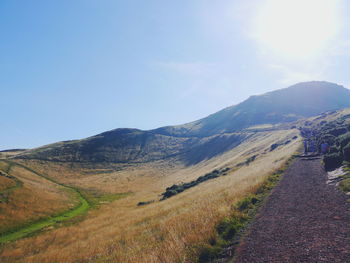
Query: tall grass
<point x="173" y="230"/>
<point x="34" y="199"/>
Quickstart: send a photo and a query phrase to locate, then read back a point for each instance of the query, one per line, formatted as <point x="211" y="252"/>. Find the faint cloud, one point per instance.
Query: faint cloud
<point x="202" y="78"/>
<point x="197" y="75"/>
<point x="291" y="76"/>
<point x="342" y="48"/>
<point x="188" y="68"/>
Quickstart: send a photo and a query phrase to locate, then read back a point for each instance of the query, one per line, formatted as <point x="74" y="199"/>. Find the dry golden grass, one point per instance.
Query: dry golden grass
<point x="6" y="154"/>
<point x="4" y="166"/>
<point x="166" y="231"/>
<point x="36" y="198"/>
<point x="6" y="183"/>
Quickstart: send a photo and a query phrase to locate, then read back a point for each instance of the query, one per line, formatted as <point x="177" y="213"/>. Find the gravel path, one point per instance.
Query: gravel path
<point x="304" y="220"/>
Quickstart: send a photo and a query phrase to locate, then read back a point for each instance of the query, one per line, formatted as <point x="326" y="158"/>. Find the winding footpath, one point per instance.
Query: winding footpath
<point x="18" y="184"/>
<point x="82" y="207"/>
<point x="303" y="220"/>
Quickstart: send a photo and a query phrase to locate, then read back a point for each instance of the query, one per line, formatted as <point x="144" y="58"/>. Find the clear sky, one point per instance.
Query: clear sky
<point x="74" y="68"/>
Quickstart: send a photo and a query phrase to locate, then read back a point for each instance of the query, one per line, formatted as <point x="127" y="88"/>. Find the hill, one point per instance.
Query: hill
<point x="123" y="174"/>
<point x="301" y="100"/>
<point x="204" y="138"/>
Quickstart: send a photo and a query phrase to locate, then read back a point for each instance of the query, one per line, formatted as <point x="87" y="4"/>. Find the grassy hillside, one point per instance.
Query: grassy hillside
<point x="172" y="230"/>
<point x="126" y="173"/>
<point x="135" y="146"/>
<point x="162" y="231"/>
<point x="11" y="153"/>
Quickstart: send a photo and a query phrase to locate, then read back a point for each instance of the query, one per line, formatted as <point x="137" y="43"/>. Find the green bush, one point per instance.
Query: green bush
<point x="169" y="193"/>
<point x="208" y="253"/>
<point x="247" y="203"/>
<point x="328" y="138"/>
<point x="228" y="227"/>
<point x="345" y="185"/>
<point x="178" y="188"/>
<point x="333" y="160"/>
<point x="226" y="170"/>
<point x="346" y="152"/>
<point x="338" y="131"/>
<point x="250" y="159"/>
<point x="274" y="146"/>
<point x="334" y="149"/>
<point x="145" y="203"/>
<point x="344" y="139"/>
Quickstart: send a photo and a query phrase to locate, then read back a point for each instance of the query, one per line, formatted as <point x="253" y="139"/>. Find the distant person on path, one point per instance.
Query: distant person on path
<point x="312" y="147"/>
<point x="324" y="148"/>
<point x="305" y="146"/>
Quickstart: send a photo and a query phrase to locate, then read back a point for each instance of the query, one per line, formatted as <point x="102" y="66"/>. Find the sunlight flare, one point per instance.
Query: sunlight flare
<point x="297" y="28"/>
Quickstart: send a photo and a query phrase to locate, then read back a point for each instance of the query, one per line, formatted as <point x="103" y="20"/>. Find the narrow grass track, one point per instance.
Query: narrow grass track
<point x="33" y="227"/>
<point x="4" y="193"/>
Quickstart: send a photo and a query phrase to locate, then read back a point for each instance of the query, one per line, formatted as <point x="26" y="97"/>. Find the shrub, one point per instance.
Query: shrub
<point x="247" y="202"/>
<point x="175" y="189"/>
<point x="346" y="152"/>
<point x="333" y="160"/>
<point x="345" y="185"/>
<point x="250" y="159"/>
<point x="274" y="146"/>
<point x="328" y="138"/>
<point x="344" y="139"/>
<point x="334" y="149"/>
<point x="145" y="203"/>
<point x="229" y="227"/>
<point x="208" y="253"/>
<point x="226" y="170"/>
<point x="169" y="193"/>
<point x="338" y="131"/>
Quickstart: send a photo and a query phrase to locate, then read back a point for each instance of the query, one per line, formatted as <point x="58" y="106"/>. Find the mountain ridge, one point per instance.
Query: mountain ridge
<point x="291" y="100"/>
<point x="203" y="138"/>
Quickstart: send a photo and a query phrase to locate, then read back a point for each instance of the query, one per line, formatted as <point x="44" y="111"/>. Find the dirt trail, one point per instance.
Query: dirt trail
<point x="304" y="220"/>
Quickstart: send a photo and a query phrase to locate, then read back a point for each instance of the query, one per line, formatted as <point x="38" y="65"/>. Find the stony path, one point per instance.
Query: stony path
<point x="304" y="220"/>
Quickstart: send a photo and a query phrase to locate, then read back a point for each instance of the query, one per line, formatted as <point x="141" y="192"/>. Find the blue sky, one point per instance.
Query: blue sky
<point x="72" y="69"/>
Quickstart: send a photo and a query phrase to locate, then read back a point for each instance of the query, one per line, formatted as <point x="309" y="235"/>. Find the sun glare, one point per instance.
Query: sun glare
<point x="297" y="28"/>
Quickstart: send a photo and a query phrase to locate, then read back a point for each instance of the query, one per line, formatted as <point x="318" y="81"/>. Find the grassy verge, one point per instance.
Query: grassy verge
<point x="344" y="184"/>
<point x="231" y="228"/>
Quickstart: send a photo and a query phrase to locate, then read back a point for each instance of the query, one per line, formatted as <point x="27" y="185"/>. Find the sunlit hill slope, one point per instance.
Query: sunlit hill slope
<point x="120" y="177"/>
<point x="200" y="140"/>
